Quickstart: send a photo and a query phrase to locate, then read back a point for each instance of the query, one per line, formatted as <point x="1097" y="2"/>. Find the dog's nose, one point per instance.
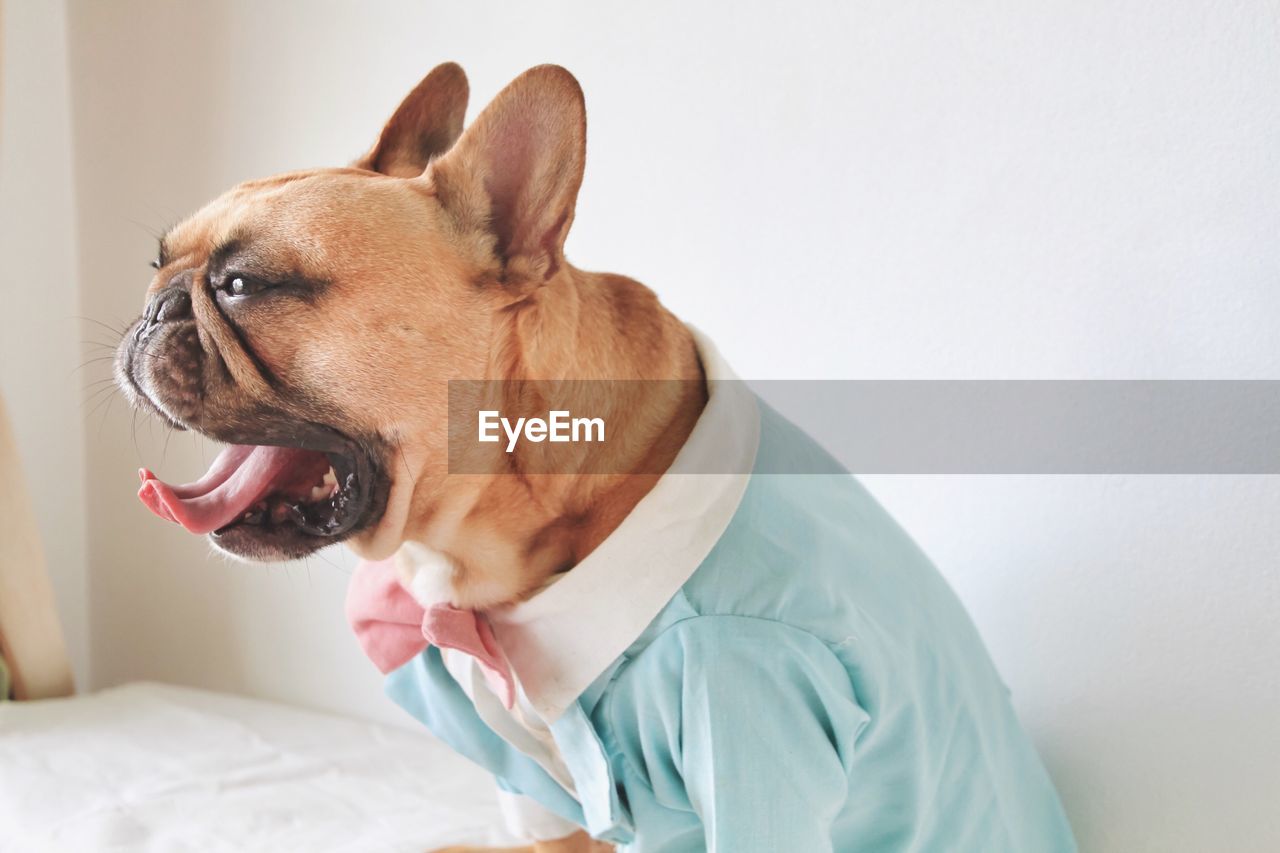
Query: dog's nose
<point x="174" y="304"/>
<point x="167" y="306"/>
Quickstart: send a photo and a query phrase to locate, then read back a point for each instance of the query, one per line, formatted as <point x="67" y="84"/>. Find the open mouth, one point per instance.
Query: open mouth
<point x="272" y="500"/>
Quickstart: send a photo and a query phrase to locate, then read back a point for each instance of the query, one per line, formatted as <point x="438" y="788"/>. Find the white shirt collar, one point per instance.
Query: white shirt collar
<point x="567" y="635"/>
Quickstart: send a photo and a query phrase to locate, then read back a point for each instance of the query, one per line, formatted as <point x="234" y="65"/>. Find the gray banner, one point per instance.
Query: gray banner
<point x="898" y="427"/>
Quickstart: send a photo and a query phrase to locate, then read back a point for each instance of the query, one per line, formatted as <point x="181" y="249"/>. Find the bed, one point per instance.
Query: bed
<point x="153" y="767"/>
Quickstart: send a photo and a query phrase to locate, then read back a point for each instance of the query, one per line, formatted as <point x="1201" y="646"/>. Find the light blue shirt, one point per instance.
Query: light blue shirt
<point x="810" y="684"/>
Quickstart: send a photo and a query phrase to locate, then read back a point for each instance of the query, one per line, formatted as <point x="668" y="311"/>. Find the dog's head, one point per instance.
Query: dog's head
<point x="311" y="320"/>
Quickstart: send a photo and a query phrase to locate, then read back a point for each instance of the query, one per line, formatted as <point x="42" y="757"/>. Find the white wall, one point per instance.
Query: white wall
<point x="40" y="329"/>
<point x="868" y="189"/>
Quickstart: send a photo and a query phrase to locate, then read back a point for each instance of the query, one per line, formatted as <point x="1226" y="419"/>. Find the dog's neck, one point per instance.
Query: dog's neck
<point x="501" y="537"/>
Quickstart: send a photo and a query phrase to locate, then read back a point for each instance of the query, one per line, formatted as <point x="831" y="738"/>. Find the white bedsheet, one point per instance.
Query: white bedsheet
<point x="152" y="767"/>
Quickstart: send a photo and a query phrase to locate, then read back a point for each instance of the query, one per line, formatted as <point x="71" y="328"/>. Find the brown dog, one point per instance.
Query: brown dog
<point x="735" y="664"/>
<point x="322" y="314"/>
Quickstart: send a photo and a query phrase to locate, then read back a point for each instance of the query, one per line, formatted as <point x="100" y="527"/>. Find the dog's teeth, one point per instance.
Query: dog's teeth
<point x="294" y="513"/>
<point x="327" y="486"/>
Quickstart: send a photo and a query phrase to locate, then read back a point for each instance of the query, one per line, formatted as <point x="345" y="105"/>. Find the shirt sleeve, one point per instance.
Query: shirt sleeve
<point x="758" y="731"/>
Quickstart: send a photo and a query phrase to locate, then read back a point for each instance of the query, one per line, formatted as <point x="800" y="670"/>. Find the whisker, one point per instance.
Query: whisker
<point x="108" y="398"/>
<point x="99" y="385"/>
<point x="320" y="556"/>
<point x="111" y="398"/>
<point x="164" y="452"/>
<point x="89" y="361"/>
<point x="118" y="332"/>
<point x="144" y="226"/>
<point x="94" y="398"/>
<point x="155" y="356"/>
<point x="400" y="451"/>
<point x="133" y="432"/>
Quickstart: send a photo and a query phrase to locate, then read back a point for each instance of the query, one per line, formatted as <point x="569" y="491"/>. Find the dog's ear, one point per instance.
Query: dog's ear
<point x="427" y="122"/>
<point x="514" y="175"/>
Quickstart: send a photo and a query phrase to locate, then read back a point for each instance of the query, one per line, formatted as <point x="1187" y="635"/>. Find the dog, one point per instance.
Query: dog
<point x="729" y="661"/>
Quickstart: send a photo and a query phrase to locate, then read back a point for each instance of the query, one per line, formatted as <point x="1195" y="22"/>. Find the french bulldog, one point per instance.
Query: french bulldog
<point x="312" y="321"/>
<point x="811" y="685"/>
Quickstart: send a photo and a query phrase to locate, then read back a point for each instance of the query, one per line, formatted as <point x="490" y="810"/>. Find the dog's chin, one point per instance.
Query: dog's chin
<point x="269" y="544"/>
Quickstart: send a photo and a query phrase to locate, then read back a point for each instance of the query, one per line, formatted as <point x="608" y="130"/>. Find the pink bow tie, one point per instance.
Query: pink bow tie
<point x="393" y="628"/>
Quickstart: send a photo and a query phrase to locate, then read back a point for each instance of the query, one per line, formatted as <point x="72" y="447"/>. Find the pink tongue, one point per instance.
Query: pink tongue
<point x="241" y="476"/>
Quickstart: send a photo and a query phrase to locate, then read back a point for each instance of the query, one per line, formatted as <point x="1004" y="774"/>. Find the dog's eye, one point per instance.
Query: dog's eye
<point x="242" y="285"/>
